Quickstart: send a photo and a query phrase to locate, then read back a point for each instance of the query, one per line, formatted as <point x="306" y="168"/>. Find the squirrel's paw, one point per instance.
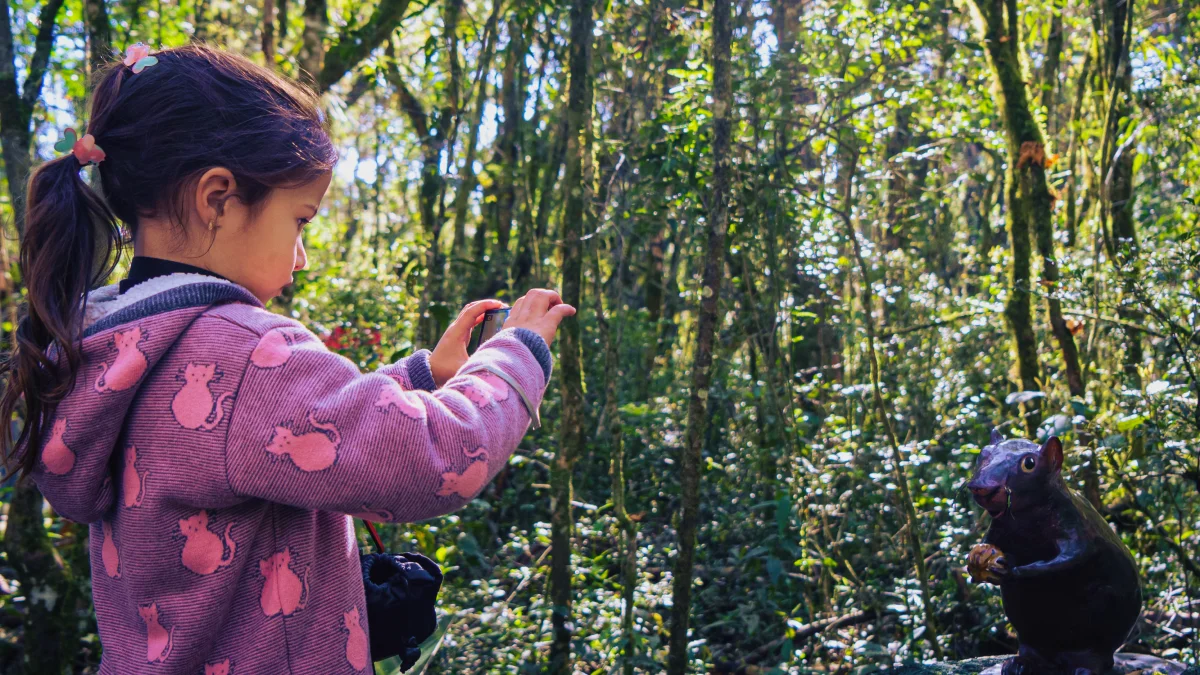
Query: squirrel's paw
<point x="986" y="564"/>
<point x="1017" y="666"/>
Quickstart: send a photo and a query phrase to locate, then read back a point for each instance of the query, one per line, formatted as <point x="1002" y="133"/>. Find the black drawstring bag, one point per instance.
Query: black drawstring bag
<point x="401" y="593"/>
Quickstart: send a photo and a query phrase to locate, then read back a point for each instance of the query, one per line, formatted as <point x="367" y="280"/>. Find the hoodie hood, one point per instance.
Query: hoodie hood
<point x="124" y="338"/>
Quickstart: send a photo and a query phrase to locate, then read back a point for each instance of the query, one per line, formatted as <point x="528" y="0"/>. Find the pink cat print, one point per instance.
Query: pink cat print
<point x="108" y="552"/>
<point x="134" y="483"/>
<point x="368" y="513"/>
<point x="218" y="668"/>
<point x="57" y="457"/>
<point x="392" y="395"/>
<point x="357" y="650"/>
<point x="129" y="365"/>
<point x="158" y="640"/>
<point x="313" y="451"/>
<point x="282" y="590"/>
<point x="468" y="483"/>
<point x="273" y="350"/>
<point x="496" y="390"/>
<point x="193" y="405"/>
<point x="203" y="552"/>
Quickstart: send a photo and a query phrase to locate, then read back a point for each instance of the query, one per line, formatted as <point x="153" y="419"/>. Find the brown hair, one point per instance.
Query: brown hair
<point x="161" y="129"/>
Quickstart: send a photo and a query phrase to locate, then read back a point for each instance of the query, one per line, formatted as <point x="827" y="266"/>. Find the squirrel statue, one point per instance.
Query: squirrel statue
<point x="1069" y="585"/>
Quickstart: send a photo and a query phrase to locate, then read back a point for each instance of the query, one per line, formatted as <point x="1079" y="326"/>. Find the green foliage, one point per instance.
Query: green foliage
<point x="801" y="517"/>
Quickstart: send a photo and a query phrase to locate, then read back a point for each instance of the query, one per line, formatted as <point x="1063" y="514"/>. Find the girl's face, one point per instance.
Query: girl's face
<point x="259" y="253"/>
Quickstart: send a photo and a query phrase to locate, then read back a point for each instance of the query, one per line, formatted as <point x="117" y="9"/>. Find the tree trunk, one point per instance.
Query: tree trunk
<point x="912" y="525"/>
<point x="579" y="189"/>
<point x="706" y="323"/>
<point x="1074" y="214"/>
<point x="508" y="151"/>
<point x="432" y="132"/>
<point x="1049" y="79"/>
<point x="1029" y="204"/>
<point x="282" y="6"/>
<point x="626" y="528"/>
<point x="312" y="42"/>
<point x="460" y="270"/>
<point x="99" y="33"/>
<point x="268" y="33"/>
<point x="1117" y="176"/>
<point x="51" y="622"/>
<point x="16" y="104"/>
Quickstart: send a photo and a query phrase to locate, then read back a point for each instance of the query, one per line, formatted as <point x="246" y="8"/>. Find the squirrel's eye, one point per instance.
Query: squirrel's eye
<point x="1028" y="464"/>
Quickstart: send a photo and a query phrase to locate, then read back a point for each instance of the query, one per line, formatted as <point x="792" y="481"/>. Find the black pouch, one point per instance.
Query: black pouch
<point x="401" y="591"/>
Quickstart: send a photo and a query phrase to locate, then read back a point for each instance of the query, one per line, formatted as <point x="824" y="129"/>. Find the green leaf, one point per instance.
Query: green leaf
<point x="429" y="649"/>
<point x="774" y="568"/>
<point x="1130" y="422"/>
<point x="1022" y="397"/>
<point x="1082" y="408"/>
<point x="634" y="409"/>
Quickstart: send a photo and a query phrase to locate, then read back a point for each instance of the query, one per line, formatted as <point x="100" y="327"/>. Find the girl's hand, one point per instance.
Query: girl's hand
<point x="451" y="351"/>
<point x="539" y="310"/>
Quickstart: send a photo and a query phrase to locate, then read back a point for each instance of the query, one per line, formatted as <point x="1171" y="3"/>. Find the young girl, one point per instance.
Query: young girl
<point x="215" y="447"/>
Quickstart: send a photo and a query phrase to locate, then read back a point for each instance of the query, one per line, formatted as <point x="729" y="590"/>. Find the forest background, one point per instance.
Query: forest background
<point x="820" y="248"/>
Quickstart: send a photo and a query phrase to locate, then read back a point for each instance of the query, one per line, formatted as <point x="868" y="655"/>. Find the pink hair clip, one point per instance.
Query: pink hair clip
<point x="84" y="149"/>
<point x="138" y="56"/>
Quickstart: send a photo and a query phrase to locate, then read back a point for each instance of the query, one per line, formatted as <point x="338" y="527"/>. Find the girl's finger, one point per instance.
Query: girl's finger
<point x="472" y="314"/>
<point x="464" y="309"/>
<point x="559" y="312"/>
<point x="518" y="308"/>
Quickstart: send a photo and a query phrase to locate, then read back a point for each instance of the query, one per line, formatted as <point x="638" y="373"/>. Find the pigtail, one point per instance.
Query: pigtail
<point x="161" y="127"/>
<point x="68" y="249"/>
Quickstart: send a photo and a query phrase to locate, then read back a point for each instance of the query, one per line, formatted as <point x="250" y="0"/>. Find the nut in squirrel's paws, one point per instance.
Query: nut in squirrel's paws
<point x="986" y="564"/>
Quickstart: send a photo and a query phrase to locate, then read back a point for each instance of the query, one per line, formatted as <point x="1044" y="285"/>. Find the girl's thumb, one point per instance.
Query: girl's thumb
<point x="561" y="311"/>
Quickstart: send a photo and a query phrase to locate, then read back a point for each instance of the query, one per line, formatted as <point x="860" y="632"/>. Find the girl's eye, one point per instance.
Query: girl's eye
<point x="1028" y="464"/>
<point x="303" y="221"/>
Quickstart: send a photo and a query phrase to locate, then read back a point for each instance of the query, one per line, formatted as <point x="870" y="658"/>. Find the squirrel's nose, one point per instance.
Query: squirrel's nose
<point x="981" y="490"/>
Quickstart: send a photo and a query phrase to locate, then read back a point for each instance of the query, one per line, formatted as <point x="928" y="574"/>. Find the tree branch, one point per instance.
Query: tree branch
<point x="32" y="88"/>
<point x="803" y="633"/>
<point x="358" y="43"/>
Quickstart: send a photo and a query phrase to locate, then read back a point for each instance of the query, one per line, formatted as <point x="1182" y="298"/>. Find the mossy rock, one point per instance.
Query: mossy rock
<point x="1127" y="664"/>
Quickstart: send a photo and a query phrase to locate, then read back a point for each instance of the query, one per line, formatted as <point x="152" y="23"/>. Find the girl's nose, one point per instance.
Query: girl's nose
<point x="301" y="255"/>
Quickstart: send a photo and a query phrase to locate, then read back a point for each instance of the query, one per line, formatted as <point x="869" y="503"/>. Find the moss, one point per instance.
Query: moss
<point x="1126" y="663"/>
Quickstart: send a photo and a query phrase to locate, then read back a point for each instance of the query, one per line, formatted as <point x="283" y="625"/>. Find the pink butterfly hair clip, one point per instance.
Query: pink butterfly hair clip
<point x="138" y="56"/>
<point x="84" y="149"/>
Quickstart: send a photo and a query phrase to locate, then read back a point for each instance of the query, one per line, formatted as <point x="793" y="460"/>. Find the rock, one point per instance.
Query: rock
<point x="1127" y="664"/>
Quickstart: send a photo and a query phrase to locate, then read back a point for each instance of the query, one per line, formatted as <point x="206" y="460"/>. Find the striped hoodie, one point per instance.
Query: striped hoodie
<point x="218" y="452"/>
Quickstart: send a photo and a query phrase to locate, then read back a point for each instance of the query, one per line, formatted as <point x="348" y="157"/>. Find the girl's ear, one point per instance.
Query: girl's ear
<point x="213" y="189"/>
<point x="1052" y="451"/>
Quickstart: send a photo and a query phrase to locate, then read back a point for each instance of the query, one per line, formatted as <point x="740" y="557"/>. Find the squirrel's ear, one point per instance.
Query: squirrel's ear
<point x="996" y="436"/>
<point x="1052" y="450"/>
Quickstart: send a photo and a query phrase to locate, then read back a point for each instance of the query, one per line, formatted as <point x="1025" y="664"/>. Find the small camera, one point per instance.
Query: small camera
<point x="493" y="322"/>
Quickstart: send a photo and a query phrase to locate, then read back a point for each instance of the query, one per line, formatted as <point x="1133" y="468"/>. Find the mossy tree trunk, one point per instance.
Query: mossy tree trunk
<point x="579" y="189"/>
<point x="717" y="224"/>
<point x="1030" y="206"/>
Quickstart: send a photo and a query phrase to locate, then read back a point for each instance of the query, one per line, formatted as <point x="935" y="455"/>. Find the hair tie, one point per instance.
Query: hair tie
<point x="138" y="56"/>
<point x="84" y="149"/>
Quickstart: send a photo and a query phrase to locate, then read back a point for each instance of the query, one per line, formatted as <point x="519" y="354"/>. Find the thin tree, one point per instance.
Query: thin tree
<point x="706" y="323"/>
<point x="577" y="185"/>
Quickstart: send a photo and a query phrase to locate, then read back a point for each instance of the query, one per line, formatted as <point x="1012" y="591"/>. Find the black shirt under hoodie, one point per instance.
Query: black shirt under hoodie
<point x="143" y="268"/>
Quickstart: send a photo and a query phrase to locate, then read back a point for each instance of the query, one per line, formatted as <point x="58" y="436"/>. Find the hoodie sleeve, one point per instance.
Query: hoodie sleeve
<point x="316" y="433"/>
<point x="412" y="371"/>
